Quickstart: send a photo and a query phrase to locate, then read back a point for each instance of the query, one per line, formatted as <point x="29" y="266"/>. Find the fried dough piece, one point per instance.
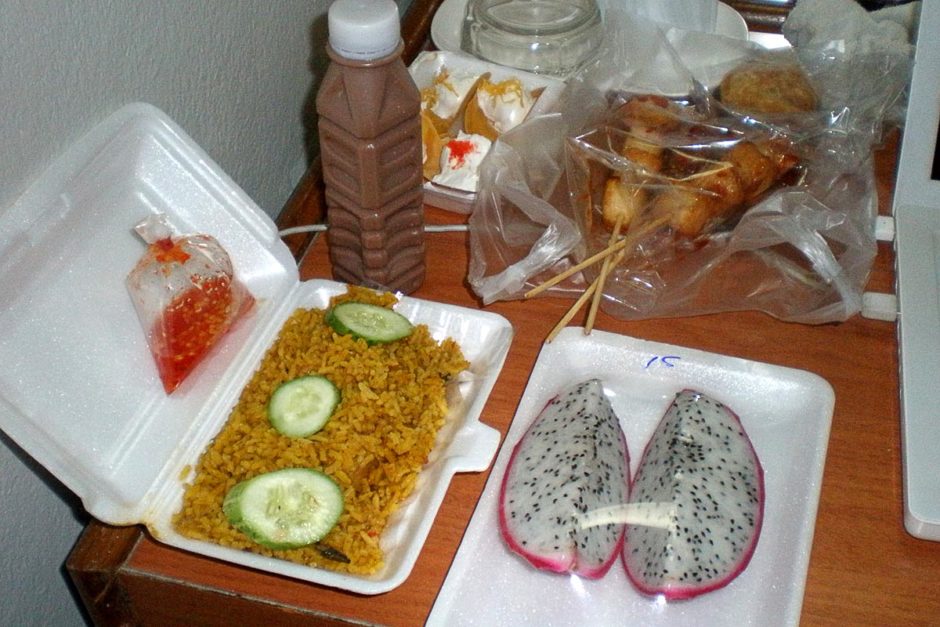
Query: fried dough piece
<point x="694" y="190"/>
<point x="724" y="182"/>
<point x="689" y="210"/>
<point x="697" y="202"/>
<point x="761" y="164"/>
<point x="445" y="99"/>
<point x="433" y="144"/>
<point x="755" y="170"/>
<point x="623" y="201"/>
<point x="624" y="194"/>
<point x="495" y="108"/>
<point x="647" y="155"/>
<point x="759" y="87"/>
<point x="780" y="152"/>
<point x="650" y="112"/>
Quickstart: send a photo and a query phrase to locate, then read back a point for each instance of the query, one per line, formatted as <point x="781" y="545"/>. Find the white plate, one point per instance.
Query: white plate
<point x="447" y="23"/>
<point x="105" y="427"/>
<point x="787" y="414"/>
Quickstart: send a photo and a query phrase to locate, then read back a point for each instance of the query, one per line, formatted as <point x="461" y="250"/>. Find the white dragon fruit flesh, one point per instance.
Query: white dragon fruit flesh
<point x="571" y="461"/>
<point x="701" y="464"/>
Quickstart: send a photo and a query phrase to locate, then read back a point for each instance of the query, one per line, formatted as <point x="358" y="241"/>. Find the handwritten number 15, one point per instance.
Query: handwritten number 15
<point x="669" y="361"/>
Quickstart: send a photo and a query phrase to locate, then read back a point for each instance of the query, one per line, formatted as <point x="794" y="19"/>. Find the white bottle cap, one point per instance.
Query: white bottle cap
<point x="364" y="29"/>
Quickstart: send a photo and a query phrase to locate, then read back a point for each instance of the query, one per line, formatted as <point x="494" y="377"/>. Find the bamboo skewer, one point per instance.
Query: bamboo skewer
<point x="628" y="240"/>
<point x="602" y="277"/>
<point x="599" y="292"/>
<point x="571" y="312"/>
<point x="558" y="278"/>
<point x="596" y="287"/>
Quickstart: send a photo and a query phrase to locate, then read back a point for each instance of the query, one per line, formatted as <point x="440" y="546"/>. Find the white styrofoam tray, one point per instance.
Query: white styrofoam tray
<point x="428" y="64"/>
<point x="787" y="414"/>
<point x="79" y="390"/>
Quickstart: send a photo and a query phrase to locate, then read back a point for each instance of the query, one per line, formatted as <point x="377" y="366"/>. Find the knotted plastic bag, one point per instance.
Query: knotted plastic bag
<point x="799" y="249"/>
<point x="186" y="297"/>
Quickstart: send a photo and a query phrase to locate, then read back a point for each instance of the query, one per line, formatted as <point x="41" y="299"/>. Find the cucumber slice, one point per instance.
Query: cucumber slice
<point x="285" y="509"/>
<point x="301" y="406"/>
<point x="374" y="324"/>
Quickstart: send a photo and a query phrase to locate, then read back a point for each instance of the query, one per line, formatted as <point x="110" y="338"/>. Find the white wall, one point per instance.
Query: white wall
<point x="237" y="75"/>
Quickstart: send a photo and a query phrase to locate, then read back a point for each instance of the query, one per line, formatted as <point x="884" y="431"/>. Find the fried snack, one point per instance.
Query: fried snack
<point x="622" y="201"/>
<point x="625" y="194"/>
<point x="694" y="193"/>
<point x="444" y="100"/>
<point x="646" y="154"/>
<point x="433" y="144"/>
<point x="496" y="108"/>
<point x="460" y="162"/>
<point x="688" y="210"/>
<point x="650" y="113"/>
<point x="711" y="192"/>
<point x="760" y="87"/>
<point x="719" y="175"/>
<point x="700" y="200"/>
<point x="780" y="152"/>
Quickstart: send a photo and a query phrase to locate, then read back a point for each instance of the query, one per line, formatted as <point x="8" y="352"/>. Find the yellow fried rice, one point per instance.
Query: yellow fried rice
<point x="393" y="403"/>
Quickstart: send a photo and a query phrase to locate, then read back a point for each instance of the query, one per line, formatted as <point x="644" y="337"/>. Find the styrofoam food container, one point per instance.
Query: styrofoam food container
<point x="428" y="64"/>
<point x="787" y="414"/>
<point x="79" y="390"/>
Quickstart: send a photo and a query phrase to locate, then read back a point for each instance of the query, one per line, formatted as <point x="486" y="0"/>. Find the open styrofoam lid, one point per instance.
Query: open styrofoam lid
<point x="79" y="390"/>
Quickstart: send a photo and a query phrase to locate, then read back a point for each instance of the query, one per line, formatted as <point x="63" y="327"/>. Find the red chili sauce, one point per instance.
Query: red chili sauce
<point x="193" y="322"/>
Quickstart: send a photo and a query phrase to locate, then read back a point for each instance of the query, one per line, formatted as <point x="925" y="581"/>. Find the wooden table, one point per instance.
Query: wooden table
<point x="864" y="569"/>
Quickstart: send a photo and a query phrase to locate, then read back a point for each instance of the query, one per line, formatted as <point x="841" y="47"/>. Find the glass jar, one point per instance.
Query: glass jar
<point x="553" y="37"/>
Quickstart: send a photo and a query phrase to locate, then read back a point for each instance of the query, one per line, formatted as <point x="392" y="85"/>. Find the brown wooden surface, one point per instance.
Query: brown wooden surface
<point x="864" y="568"/>
<point x="764" y="16"/>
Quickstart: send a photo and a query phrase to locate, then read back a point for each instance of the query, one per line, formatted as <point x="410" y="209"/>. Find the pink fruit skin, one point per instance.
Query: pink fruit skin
<point x="570" y="563"/>
<point x="679" y="593"/>
<point x="543" y="563"/>
<point x="676" y="592"/>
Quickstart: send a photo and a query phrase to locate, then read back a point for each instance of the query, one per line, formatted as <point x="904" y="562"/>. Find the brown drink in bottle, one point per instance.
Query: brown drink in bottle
<point x="370" y="144"/>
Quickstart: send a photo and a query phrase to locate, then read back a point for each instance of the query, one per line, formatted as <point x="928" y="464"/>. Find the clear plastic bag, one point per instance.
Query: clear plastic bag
<point x="186" y="297"/>
<point x="798" y="246"/>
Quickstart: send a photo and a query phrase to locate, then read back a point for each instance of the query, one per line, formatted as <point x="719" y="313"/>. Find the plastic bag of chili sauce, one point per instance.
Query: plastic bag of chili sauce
<point x="186" y="297"/>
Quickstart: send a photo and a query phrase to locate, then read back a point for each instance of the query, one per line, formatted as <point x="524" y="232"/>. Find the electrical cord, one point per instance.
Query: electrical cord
<point x="319" y="228"/>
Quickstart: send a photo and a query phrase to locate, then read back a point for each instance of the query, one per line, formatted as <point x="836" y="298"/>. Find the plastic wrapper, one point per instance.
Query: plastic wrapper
<point x="737" y="201"/>
<point x="186" y="297"/>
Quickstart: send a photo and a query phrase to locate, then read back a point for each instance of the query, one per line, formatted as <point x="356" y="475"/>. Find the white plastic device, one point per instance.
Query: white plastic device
<point x="917" y="221"/>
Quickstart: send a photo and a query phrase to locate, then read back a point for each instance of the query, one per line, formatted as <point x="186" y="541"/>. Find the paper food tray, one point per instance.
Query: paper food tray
<point x="427" y="65"/>
<point x="79" y="390"/>
<point x="787" y="414"/>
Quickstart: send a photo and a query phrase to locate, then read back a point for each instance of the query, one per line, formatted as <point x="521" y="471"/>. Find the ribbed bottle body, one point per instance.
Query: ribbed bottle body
<point x="370" y="147"/>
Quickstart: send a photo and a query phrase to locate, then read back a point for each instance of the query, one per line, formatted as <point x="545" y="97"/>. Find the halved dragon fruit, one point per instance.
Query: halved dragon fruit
<point x="572" y="461"/>
<point x="699" y="463"/>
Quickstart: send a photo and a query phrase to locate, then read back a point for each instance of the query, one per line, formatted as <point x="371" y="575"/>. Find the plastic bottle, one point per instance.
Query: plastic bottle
<point x="370" y="145"/>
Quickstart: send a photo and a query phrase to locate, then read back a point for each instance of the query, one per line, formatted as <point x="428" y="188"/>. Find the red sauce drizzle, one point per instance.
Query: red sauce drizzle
<point x="460" y="149"/>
